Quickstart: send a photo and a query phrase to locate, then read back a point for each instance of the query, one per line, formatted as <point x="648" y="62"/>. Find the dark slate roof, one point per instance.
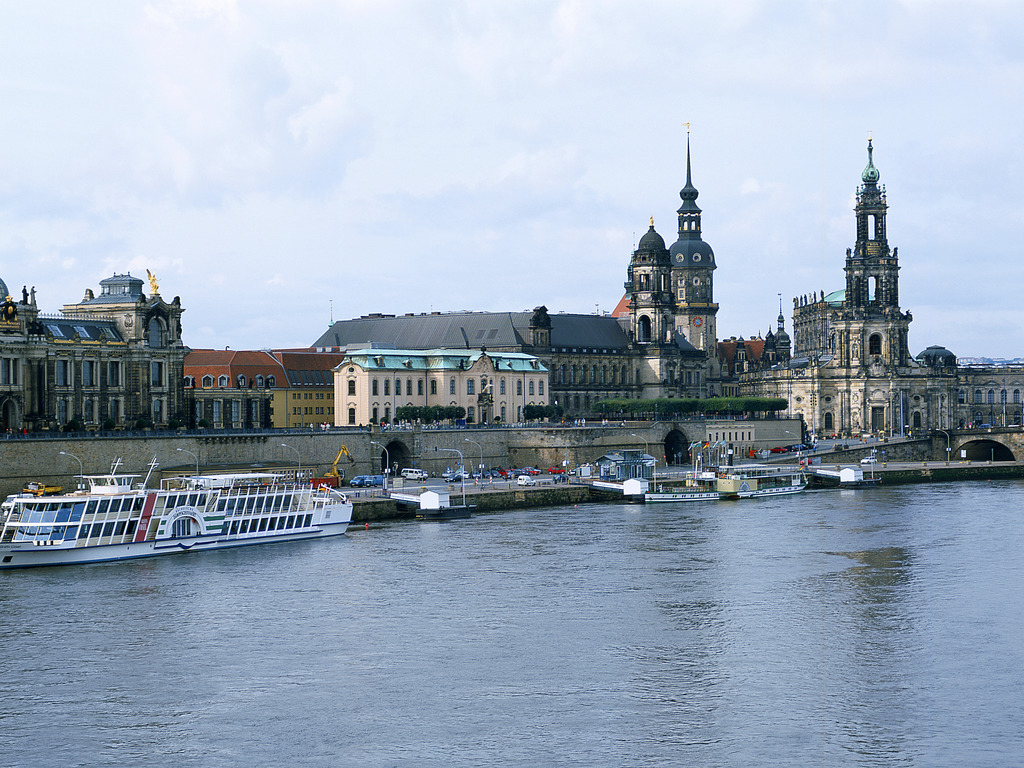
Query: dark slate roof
<point x="470" y="330"/>
<point x="87" y="330"/>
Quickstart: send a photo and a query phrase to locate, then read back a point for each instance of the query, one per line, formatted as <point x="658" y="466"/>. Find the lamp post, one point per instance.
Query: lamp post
<point x="462" y="473"/>
<point x="298" y="455"/>
<point x="474" y="442"/>
<point x="947" y="444"/>
<point x="387" y="459"/>
<point x="183" y="450"/>
<point x="80" y="472"/>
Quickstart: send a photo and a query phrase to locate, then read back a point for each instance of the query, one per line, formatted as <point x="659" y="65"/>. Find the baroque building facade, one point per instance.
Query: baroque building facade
<point x="851" y="369"/>
<point x="109" y="361"/>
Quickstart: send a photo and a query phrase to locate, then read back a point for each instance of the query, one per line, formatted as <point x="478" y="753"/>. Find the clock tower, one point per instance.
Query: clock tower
<point x="693" y="267"/>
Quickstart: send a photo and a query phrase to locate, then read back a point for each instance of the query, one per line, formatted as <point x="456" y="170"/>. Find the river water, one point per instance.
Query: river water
<point x="880" y="627"/>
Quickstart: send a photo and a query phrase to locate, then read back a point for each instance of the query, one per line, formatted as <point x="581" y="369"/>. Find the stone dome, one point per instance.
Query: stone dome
<point x="651" y="241"/>
<point x="937" y="357"/>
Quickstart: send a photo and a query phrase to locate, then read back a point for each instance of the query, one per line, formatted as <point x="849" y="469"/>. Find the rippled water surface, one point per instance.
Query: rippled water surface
<point x="863" y="628"/>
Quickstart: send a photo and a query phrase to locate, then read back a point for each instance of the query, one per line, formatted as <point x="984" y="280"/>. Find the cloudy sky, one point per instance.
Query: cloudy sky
<point x="276" y="160"/>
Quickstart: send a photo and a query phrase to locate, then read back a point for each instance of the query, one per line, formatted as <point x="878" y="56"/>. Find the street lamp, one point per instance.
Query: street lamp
<point x="462" y="472"/>
<point x="947" y="443"/>
<point x="298" y="455"/>
<point x="183" y="450"/>
<point x="80" y="472"/>
<point x="474" y="442"/>
<point x="387" y="459"/>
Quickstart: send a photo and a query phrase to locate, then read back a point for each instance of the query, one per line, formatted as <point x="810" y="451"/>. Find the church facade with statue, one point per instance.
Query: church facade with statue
<point x="113" y="360"/>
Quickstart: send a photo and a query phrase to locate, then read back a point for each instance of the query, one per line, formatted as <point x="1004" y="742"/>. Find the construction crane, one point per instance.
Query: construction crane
<point x="334" y="476"/>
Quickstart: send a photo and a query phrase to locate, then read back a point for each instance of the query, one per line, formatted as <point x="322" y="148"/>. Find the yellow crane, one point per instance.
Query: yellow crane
<point x="333" y="476"/>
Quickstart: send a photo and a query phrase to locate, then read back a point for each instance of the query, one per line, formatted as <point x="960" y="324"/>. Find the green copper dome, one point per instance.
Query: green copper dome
<point x="870" y="175"/>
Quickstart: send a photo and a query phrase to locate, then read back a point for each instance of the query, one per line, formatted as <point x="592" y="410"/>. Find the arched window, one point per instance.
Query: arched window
<point x="992" y="396"/>
<point x="519" y="387"/>
<point x="352" y="387"/>
<point x="387" y="389"/>
<point x="643" y="329"/>
<point x="1016" y="395"/>
<point x="351" y="415"/>
<point x="829" y="422"/>
<point x="374" y="390"/>
<point x="433" y="386"/>
<point x="271" y="381"/>
<point x="875" y="344"/>
<point x="157" y="334"/>
<point x="451" y="387"/>
<point x="977" y="396"/>
<point x="501" y="387"/>
<point x="222" y="381"/>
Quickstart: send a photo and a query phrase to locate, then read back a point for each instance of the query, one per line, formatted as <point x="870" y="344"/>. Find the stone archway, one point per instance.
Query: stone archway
<point x="394" y="455"/>
<point x="986" y="450"/>
<point x="8" y="415"/>
<point x="677" y="448"/>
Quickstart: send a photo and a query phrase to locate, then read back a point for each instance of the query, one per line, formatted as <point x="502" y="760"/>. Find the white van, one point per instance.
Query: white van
<point x="525" y="480"/>
<point x="411" y="473"/>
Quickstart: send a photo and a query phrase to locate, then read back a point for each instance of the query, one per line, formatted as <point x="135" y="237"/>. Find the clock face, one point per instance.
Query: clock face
<point x="697" y="322"/>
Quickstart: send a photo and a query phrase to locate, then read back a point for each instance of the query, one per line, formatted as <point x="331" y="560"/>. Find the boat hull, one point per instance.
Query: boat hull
<point x="670" y="496"/>
<point x="17" y="555"/>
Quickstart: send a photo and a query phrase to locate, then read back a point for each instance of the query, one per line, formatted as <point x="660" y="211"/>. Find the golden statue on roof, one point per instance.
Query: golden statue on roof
<point x="154" y="287"/>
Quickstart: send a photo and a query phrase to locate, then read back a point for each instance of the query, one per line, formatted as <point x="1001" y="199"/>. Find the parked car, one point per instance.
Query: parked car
<point x="531" y="470"/>
<point x="525" y="480"/>
<point x="556" y="470"/>
<point x="367" y="481"/>
<point x="779" y="449"/>
<point x="869" y="460"/>
<point x="411" y="473"/>
<point x="455" y="476"/>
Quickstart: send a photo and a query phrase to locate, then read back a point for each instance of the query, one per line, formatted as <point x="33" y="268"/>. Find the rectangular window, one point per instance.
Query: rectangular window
<point x="387" y="387"/>
<point x="113" y="374"/>
<point x="156" y="370"/>
<point x="373" y="387"/>
<point x="61" y="373"/>
<point x="540" y="387"/>
<point x="470" y="387"/>
<point x="433" y="387"/>
<point x="531" y="386"/>
<point x="419" y="387"/>
<point x="88" y="373"/>
<point x="352" y="387"/>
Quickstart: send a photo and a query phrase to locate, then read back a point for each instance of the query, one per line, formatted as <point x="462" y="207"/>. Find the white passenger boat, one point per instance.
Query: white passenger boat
<point x="753" y="481"/>
<point x="697" y="486"/>
<point x="117" y="518"/>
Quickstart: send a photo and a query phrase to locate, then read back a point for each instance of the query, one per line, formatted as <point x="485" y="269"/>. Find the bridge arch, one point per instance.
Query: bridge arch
<point x="986" y="450"/>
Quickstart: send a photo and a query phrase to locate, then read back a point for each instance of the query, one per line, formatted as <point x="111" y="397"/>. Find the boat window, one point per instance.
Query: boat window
<point x="234" y="527"/>
<point x="193" y="499"/>
<point x="131" y="527"/>
<point x="90" y="507"/>
<point x="138" y="504"/>
<point x="245" y="526"/>
<point x="291" y="521"/>
<point x="221" y="503"/>
<point x="76" y="513"/>
<point x="71" y="533"/>
<point x="83" y="531"/>
<point x="263" y="523"/>
<point x="119" y="529"/>
<point x="104" y="505"/>
<point x="64" y="513"/>
<point x="108" y="528"/>
<point x="280" y="522"/>
<point x="308" y="521"/>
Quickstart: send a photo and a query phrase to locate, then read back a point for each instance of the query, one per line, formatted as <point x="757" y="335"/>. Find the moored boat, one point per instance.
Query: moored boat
<point x="117" y="518"/>
<point x="753" y="481"/>
<point x="697" y="486"/>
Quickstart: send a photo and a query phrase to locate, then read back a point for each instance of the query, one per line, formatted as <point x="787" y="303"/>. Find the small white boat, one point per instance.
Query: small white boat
<point x="116" y="518"/>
